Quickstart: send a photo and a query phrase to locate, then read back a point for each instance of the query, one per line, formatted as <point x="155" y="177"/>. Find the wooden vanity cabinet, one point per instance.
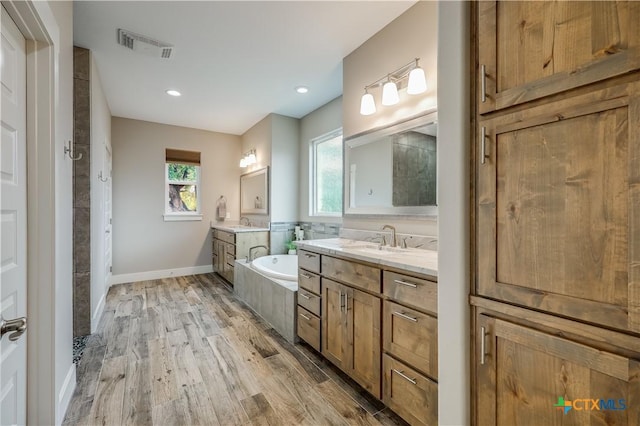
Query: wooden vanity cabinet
<point x="410" y="343"/>
<point x="310" y="300"/>
<point x="351" y="333"/>
<point x="229" y="246"/>
<point x="532" y="49"/>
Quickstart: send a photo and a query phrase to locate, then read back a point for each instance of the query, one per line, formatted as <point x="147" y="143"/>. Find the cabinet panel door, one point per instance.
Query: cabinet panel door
<point x="334" y="323"/>
<point x="364" y="336"/>
<point x="533" y="49"/>
<point x="559" y="208"/>
<point x="528" y="377"/>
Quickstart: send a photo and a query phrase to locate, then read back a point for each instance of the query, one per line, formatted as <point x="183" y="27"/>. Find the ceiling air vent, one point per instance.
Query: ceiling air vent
<point x="145" y="45"/>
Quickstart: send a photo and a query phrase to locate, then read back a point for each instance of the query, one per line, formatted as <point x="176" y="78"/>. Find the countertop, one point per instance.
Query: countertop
<point x="234" y="228"/>
<point x="410" y="259"/>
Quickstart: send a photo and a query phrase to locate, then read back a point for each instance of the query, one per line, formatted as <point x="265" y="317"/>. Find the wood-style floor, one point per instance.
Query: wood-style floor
<point x="184" y="351"/>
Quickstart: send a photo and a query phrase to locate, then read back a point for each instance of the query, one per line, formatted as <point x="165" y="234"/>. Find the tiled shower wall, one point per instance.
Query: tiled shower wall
<point x="81" y="192"/>
<point x="414" y="169"/>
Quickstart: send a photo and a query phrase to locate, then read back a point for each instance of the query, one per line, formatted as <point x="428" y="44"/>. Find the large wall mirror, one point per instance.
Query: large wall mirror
<point x="393" y="170"/>
<point x="254" y="192"/>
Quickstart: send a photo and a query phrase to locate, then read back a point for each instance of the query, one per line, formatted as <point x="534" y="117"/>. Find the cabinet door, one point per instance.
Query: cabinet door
<point x="533" y="49"/>
<point x="559" y="208"/>
<point x="334" y="323"/>
<point x="528" y="377"/>
<point x="364" y="336"/>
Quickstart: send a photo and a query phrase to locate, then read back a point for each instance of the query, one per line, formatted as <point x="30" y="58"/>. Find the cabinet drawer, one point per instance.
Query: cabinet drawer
<point x="230" y="249"/>
<point x="226" y="236"/>
<point x="309" y="301"/>
<point x="416" y="292"/>
<point x="309" y="328"/>
<point x="412" y="337"/>
<point x="309" y="261"/>
<point x="410" y="394"/>
<point x="309" y="281"/>
<point x="355" y="274"/>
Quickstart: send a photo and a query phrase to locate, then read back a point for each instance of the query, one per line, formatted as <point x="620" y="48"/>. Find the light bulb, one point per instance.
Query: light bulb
<point x="417" y="81"/>
<point x="243" y="162"/>
<point x="367" y="104"/>
<point x="390" y="94"/>
<point x="251" y="159"/>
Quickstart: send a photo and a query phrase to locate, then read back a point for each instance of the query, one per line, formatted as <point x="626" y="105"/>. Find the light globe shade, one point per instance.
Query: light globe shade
<point x="390" y="94"/>
<point x="243" y="162"/>
<point x="367" y="104"/>
<point x="251" y="159"/>
<point x="417" y="82"/>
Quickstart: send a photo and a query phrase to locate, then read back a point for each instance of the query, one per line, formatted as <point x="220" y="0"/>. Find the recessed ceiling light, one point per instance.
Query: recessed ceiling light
<point x="302" y="89"/>
<point x="173" y="93"/>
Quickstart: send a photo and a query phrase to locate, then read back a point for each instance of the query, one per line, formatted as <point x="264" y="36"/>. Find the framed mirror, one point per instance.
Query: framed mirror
<point x="254" y="192"/>
<point x="393" y="170"/>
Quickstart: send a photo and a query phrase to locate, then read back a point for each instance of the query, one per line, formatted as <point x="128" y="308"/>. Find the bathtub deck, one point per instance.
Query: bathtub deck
<point x="274" y="300"/>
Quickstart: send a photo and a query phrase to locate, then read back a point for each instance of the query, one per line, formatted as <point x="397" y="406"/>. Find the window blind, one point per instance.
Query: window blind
<point x="182" y="157"/>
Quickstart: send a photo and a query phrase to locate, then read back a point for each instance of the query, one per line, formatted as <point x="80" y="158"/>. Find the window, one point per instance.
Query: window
<point x="182" y="185"/>
<point x="326" y="174"/>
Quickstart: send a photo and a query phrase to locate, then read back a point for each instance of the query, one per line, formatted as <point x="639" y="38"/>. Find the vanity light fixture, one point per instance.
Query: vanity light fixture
<point x="416" y="84"/>
<point x="248" y="158"/>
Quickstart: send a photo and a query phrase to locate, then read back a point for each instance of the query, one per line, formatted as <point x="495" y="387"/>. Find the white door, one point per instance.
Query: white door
<point x="107" y="215"/>
<point x="13" y="225"/>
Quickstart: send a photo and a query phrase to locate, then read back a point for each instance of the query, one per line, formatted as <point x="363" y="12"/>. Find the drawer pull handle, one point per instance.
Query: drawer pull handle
<point x="405" y="316"/>
<point x="305" y="317"/>
<point x="408" y="284"/>
<point x="306" y="275"/>
<point x="407" y="378"/>
<point x="305" y="296"/>
<point x="341" y="304"/>
<point x="309" y="256"/>
<point x="483" y="83"/>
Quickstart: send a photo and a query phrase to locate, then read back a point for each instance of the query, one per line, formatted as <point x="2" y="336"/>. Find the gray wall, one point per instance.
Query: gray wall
<point x="414" y="34"/>
<point x="100" y="137"/>
<point x="142" y="240"/>
<point x="63" y="340"/>
<point x="284" y="172"/>
<point x="453" y="187"/>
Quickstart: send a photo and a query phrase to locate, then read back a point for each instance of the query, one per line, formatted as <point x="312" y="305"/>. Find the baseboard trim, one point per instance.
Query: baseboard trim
<point x="66" y="393"/>
<point x="159" y="274"/>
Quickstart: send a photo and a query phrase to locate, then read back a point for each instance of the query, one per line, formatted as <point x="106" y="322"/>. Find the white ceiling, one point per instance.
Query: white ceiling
<point x="234" y="61"/>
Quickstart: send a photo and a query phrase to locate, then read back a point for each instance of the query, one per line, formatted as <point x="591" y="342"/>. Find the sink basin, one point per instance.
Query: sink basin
<point x="372" y="251"/>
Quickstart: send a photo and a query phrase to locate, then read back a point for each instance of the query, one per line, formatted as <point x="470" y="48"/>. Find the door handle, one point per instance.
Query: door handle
<point x="483" y="83"/>
<point x="16" y="327"/>
<point x="483" y="145"/>
<point x="405" y="316"/>
<point x="483" y="349"/>
<point x="304" y="295"/>
<point x="108" y="231"/>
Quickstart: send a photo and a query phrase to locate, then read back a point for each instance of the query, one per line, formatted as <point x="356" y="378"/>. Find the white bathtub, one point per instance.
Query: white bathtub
<point x="279" y="266"/>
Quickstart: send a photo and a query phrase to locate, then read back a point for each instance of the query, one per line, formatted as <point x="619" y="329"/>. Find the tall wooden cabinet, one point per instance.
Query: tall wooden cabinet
<point x="557" y="216"/>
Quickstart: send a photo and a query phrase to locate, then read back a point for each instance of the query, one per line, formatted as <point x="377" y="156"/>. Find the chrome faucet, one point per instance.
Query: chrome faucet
<point x="247" y="219"/>
<point x="250" y="257"/>
<point x="392" y="242"/>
